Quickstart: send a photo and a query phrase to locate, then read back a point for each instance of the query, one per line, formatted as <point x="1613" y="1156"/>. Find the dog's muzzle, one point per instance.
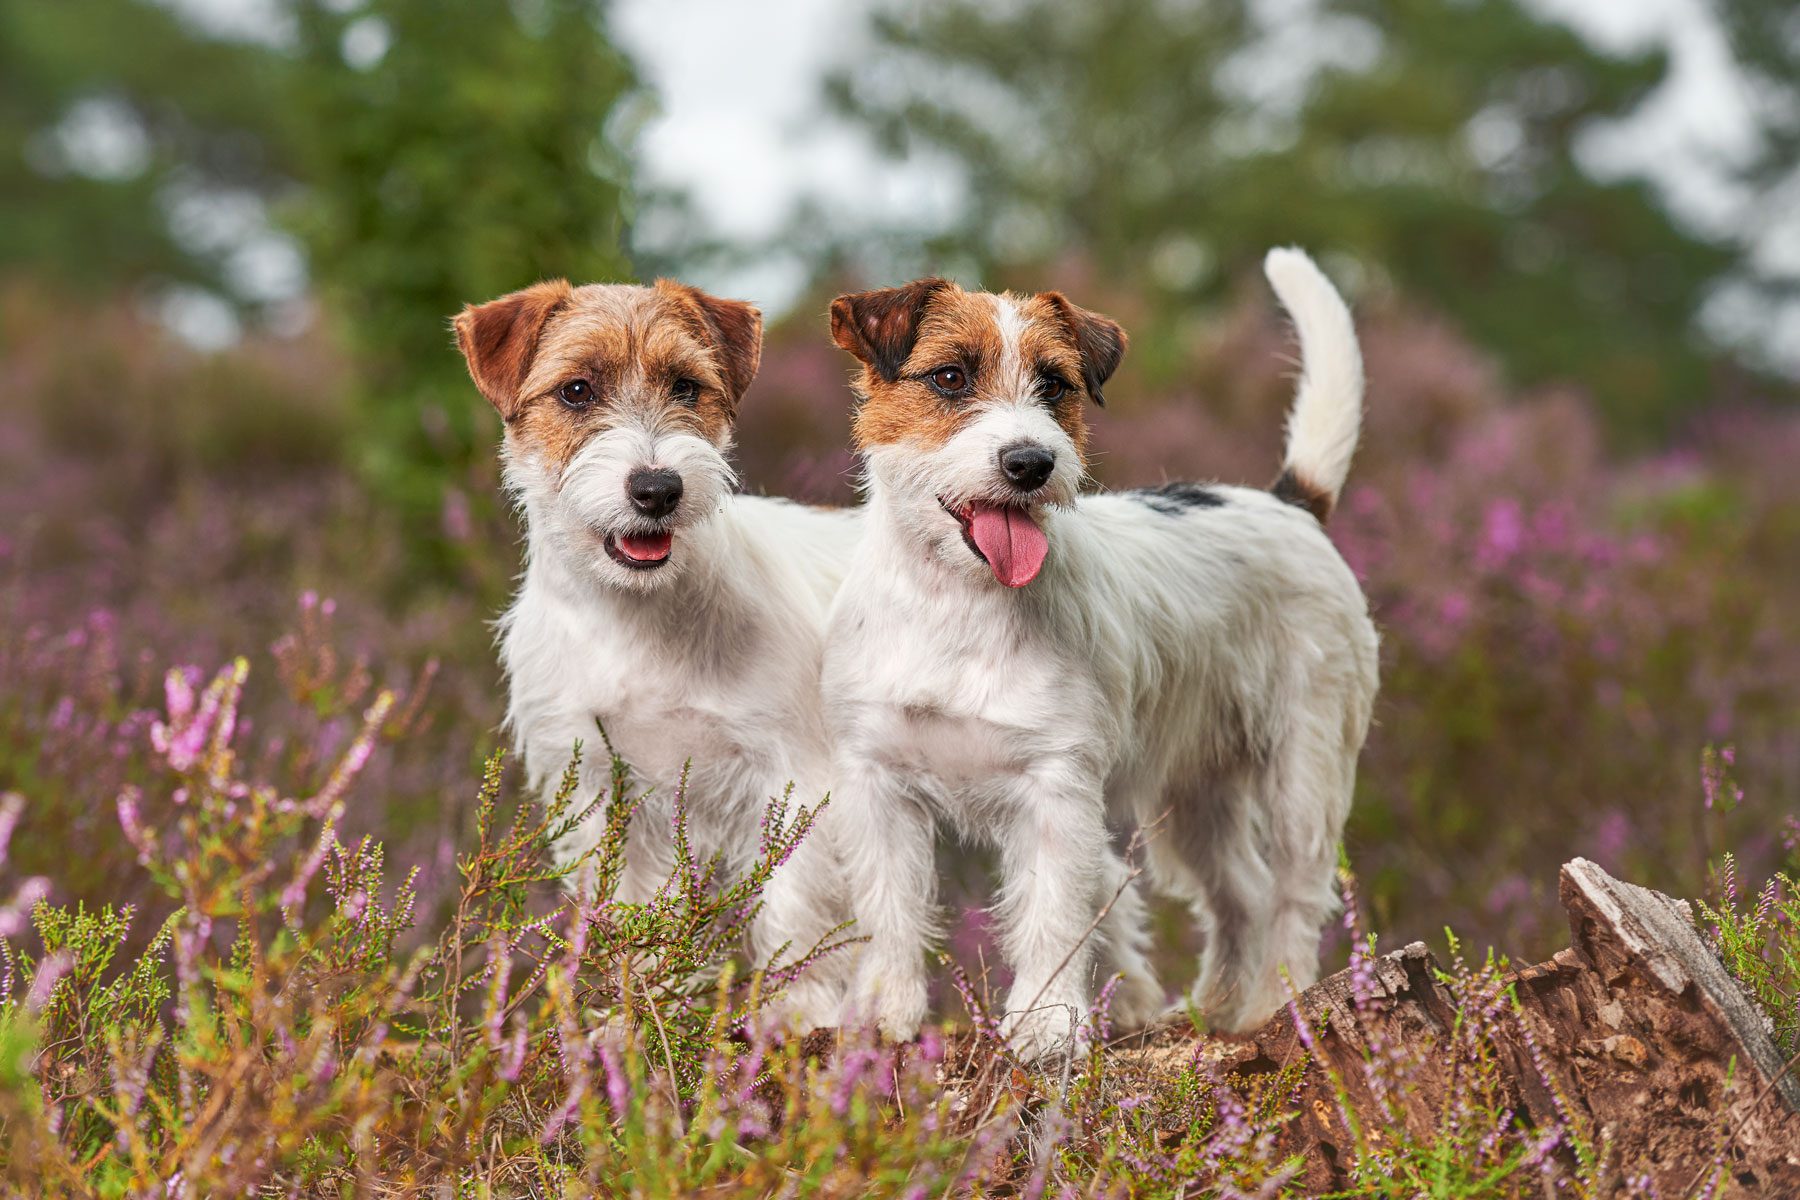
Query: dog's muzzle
<point x="655" y="493"/>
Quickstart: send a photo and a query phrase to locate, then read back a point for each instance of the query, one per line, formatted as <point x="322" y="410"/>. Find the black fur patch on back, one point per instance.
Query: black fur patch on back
<point x="1173" y="499"/>
<point x="1302" y="493"/>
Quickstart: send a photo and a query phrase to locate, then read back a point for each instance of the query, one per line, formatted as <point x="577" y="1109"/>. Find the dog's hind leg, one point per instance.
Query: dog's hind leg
<point x="1307" y="792"/>
<point x="1206" y="850"/>
<point x="1258" y="856"/>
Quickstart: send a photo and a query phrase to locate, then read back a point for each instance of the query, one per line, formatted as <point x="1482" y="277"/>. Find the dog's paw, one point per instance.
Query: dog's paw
<point x="896" y="1005"/>
<point x="1237" y="1010"/>
<point x="1046" y="1031"/>
<point x="1137" y="1001"/>
<point x="806" y="1005"/>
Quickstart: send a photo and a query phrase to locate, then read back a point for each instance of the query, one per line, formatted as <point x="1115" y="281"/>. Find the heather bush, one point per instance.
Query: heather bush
<point x="1757" y="935"/>
<point x="1755" y="931"/>
<point x="275" y="1035"/>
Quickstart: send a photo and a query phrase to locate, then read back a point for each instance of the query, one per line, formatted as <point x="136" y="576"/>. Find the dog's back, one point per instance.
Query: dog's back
<point x="800" y="545"/>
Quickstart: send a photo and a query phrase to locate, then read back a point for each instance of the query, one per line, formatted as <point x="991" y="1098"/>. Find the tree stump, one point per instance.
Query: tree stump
<point x="1643" y="1043"/>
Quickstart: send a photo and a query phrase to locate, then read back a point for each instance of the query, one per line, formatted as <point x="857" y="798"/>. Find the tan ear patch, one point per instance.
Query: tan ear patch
<point x="733" y="327"/>
<point x="880" y="327"/>
<point x="499" y="338"/>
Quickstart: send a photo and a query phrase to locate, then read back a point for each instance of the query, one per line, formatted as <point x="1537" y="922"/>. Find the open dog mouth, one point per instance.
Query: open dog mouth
<point x="640" y="551"/>
<point x="1007" y="537"/>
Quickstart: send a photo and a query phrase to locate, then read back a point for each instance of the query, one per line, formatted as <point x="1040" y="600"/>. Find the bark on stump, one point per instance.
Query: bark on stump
<point x="1637" y="1024"/>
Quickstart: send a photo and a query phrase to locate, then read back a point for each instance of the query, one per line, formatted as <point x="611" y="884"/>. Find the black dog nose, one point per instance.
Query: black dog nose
<point x="1027" y="466"/>
<point x="654" y="491"/>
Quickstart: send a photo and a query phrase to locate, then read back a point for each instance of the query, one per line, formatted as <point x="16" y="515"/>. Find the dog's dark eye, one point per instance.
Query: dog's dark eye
<point x="577" y="393"/>
<point x="949" y="381"/>
<point x="686" y="391"/>
<point x="1052" y="387"/>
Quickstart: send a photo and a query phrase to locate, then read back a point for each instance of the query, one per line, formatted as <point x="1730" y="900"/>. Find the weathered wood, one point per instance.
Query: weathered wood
<point x="1643" y="1044"/>
<point x="1663" y="1045"/>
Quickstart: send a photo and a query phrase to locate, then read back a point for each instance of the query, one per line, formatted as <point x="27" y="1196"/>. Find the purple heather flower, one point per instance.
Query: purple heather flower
<point x="13" y="914"/>
<point x="12" y="804"/>
<point x="1301" y="1029"/>
<point x="618" y="1083"/>
<point x="50" y="972"/>
<point x="1502" y="534"/>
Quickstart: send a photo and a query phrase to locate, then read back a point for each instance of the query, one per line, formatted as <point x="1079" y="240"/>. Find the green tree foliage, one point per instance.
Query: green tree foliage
<point x="1765" y="40"/>
<point x="483" y="150"/>
<point x="1436" y="143"/>
<point x="424" y="155"/>
<point x="174" y="109"/>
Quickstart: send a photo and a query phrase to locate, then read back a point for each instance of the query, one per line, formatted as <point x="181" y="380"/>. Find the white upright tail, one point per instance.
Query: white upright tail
<point x="1326" y="419"/>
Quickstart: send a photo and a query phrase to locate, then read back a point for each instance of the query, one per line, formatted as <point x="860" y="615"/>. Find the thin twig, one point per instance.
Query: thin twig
<point x="668" y="1056"/>
<point x="1130" y="878"/>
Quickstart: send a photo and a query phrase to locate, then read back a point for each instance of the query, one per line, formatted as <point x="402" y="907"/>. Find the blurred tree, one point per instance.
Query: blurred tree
<point x="448" y="156"/>
<point x="1165" y="144"/>
<point x="423" y="155"/>
<point x="1765" y="39"/>
<point x="109" y="109"/>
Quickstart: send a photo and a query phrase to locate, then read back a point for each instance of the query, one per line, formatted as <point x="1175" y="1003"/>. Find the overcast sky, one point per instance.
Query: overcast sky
<point x="741" y="130"/>
<point x="740" y="127"/>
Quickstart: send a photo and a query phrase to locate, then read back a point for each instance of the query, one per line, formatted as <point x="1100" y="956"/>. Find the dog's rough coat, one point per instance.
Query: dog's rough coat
<point x="709" y="654"/>
<point x="1196" y="660"/>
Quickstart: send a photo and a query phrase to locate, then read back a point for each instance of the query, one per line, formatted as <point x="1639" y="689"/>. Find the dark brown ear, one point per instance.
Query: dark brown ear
<point x="1100" y="341"/>
<point x="498" y="338"/>
<point x="880" y="327"/>
<point x="735" y="329"/>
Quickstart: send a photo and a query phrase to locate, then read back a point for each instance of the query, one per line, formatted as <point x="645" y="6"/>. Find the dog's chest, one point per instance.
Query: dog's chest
<point x="717" y="749"/>
<point x="962" y="695"/>
<point x="660" y="712"/>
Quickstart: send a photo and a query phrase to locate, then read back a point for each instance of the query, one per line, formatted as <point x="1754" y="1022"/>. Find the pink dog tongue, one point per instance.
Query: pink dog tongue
<point x="1010" y="540"/>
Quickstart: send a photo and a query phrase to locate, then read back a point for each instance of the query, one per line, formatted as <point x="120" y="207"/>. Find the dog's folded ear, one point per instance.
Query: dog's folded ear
<point x="733" y="327"/>
<point x="1100" y="341"/>
<point x="499" y="337"/>
<point x="880" y="327"/>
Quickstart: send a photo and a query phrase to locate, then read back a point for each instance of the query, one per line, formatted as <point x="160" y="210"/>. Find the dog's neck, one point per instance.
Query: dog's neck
<point x="897" y="521"/>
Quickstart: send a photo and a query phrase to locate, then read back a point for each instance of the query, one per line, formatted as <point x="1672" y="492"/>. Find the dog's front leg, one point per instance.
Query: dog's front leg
<point x="1054" y="854"/>
<point x="886" y="833"/>
<point x="802" y="902"/>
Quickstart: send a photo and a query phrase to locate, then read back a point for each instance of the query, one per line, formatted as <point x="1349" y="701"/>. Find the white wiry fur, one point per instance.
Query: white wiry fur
<point x="713" y="658"/>
<point x="1326" y="419"/>
<point x="1199" y="663"/>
